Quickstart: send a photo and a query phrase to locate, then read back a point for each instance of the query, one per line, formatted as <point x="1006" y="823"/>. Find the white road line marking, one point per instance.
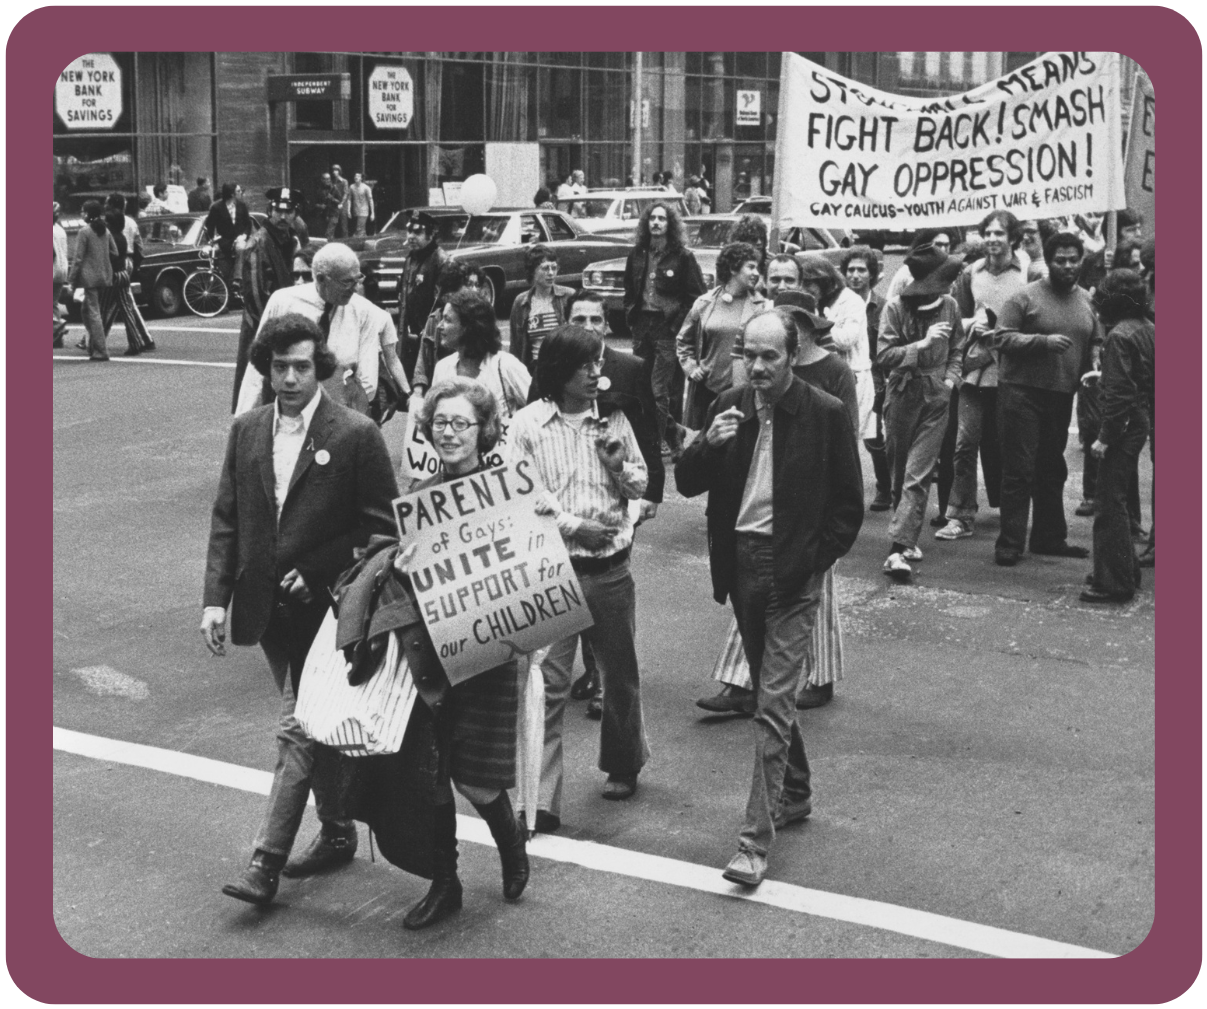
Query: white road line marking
<point x="604" y="858"/>
<point x="167" y="327"/>
<point x="154" y="360"/>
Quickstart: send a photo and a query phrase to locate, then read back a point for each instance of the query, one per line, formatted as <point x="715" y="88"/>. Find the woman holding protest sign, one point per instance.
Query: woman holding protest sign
<point x="474" y="723"/>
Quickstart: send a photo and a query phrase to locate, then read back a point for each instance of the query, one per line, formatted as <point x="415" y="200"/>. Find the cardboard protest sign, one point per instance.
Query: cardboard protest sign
<point x="419" y="458"/>
<point x="1043" y="141"/>
<point x="493" y="578"/>
<point x="1140" y="161"/>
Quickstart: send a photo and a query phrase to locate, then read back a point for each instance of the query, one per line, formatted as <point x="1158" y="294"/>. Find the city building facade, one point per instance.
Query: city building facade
<point x="416" y="124"/>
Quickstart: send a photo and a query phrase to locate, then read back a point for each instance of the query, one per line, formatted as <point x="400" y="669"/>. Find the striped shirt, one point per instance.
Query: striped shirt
<point x="577" y="482"/>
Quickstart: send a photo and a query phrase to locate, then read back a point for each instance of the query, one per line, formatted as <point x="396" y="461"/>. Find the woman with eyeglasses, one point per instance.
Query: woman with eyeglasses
<point x="474" y="725"/>
<point x="469" y="330"/>
<point x="538" y="311"/>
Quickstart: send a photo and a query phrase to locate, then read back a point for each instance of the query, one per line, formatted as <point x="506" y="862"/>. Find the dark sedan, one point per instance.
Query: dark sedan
<point x="494" y="242"/>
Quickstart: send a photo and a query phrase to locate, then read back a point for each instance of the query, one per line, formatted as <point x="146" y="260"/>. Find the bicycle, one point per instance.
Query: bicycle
<point x="206" y="292"/>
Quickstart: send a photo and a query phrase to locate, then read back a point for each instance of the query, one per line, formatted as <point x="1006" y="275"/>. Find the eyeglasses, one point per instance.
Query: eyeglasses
<point x="343" y="281"/>
<point x="458" y="424"/>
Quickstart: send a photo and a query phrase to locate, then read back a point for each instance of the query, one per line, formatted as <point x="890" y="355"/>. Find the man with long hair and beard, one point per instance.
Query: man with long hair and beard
<point x="661" y="281"/>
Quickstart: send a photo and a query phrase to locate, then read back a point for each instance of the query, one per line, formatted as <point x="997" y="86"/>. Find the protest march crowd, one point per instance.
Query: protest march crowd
<point x="426" y="641"/>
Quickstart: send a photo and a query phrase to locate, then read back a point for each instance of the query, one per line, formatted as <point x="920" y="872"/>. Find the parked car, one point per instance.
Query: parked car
<point x="616" y="211"/>
<point x="494" y="242"/>
<point x="706" y="237"/>
<point x="761" y="205"/>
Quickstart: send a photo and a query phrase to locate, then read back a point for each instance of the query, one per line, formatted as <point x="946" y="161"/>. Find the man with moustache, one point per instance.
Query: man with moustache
<point x="418" y="284"/>
<point x="785" y="500"/>
<point x="661" y="281"/>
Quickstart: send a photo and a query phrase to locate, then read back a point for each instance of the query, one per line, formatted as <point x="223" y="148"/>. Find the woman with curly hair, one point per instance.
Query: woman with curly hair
<point x="752" y="230"/>
<point x="706" y="340"/>
<point x="538" y="311"/>
<point x="469" y="330"/>
<point x="454" y="276"/>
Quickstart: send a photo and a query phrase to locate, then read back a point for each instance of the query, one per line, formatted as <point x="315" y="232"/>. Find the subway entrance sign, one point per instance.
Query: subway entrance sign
<point x="308" y="87"/>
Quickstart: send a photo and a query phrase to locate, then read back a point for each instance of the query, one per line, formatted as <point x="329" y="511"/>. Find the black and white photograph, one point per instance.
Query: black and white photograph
<point x="589" y="505"/>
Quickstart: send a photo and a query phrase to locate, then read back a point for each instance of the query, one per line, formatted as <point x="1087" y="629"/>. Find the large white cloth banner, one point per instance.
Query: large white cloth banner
<point x="1043" y="141"/>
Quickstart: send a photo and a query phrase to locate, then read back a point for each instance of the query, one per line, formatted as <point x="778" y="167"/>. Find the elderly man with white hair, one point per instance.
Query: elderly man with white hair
<point x="355" y="329"/>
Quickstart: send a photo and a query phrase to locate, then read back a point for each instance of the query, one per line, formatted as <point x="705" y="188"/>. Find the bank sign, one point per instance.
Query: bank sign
<point x="88" y="94"/>
<point x="391" y="98"/>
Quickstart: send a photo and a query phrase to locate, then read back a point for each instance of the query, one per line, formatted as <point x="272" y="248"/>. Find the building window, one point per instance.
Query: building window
<point x="87" y="168"/>
<point x="175" y="93"/>
<point x="560" y="103"/>
<point x="510" y="98"/>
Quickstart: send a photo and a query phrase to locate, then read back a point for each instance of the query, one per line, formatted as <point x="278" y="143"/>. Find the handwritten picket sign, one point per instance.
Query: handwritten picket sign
<point x="492" y="577"/>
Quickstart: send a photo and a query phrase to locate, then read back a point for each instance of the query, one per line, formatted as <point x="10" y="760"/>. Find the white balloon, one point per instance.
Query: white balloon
<point x="478" y="194"/>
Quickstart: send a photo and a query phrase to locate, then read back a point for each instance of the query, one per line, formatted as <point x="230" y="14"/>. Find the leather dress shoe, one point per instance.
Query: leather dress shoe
<point x="259" y="882"/>
<point x="1085" y="509"/>
<point x="1006" y="558"/>
<point x="620" y="786"/>
<point x="321" y="854"/>
<point x="1093" y="595"/>
<point x="882" y="502"/>
<point x="595" y="707"/>
<point x="746" y="867"/>
<point x="792" y="811"/>
<point x="584" y="687"/>
<point x="814" y="697"/>
<point x="730" y="700"/>
<point x="1062" y="550"/>
<point x="132" y="352"/>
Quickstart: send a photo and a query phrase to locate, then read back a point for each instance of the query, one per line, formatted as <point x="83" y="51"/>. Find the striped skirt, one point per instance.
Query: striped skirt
<point x="823" y="660"/>
<point x="481" y="718"/>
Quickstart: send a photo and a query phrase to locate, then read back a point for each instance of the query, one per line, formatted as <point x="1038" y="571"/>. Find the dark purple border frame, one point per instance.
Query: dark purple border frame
<point x="1161" y="968"/>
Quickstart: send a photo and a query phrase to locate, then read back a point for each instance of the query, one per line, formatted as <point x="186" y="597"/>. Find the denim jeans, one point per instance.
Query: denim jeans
<point x="776" y="635"/>
<point x="612" y="600"/>
<point x="301" y="762"/>
<point x="977" y="430"/>
<point x="1116" y="569"/>
<point x="915" y="420"/>
<point x="1034" y="425"/>
<point x="94" y="322"/>
<point x="656" y="339"/>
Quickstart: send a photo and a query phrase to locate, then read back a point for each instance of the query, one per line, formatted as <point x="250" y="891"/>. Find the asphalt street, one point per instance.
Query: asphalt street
<point x="979" y="784"/>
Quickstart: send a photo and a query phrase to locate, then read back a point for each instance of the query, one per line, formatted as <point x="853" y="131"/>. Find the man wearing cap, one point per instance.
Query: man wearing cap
<point x="1046" y="337"/>
<point x="417" y="286"/>
<point x="779" y="461"/>
<point x="920" y="348"/>
<point x="267" y="267"/>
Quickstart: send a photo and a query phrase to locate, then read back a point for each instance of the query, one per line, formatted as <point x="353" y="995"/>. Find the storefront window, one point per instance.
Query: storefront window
<point x="560" y="103"/>
<point x="607" y="107"/>
<point x="177" y="160"/>
<point x="449" y="163"/>
<point x="461" y="101"/>
<point x="175" y="92"/>
<point x="90" y="167"/>
<point x="511" y="98"/>
<point x="607" y="165"/>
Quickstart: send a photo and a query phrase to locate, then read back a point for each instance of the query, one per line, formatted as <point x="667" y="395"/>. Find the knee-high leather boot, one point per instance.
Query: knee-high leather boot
<point x="444" y="897"/>
<point x="510" y="840"/>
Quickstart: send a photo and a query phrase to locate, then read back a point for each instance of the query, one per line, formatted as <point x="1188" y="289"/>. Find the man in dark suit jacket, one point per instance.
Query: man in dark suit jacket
<point x="785" y="501"/>
<point x="305" y="481"/>
<point x="227" y="220"/>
